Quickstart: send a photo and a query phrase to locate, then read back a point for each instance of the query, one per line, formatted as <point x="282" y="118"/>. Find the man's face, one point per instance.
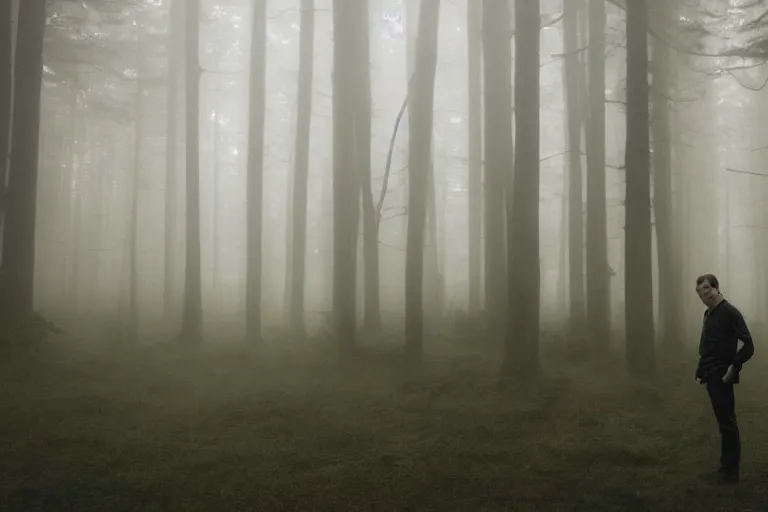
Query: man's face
<point x="707" y="293"/>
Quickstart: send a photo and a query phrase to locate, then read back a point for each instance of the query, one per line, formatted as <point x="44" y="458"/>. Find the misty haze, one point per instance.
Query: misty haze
<point x="396" y="255"/>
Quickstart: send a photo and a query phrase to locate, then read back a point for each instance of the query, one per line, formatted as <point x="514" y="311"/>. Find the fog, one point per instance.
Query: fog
<point x="102" y="134"/>
<point x="434" y="180"/>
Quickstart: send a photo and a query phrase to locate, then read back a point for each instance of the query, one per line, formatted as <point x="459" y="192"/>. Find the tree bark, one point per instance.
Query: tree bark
<point x="192" y="318"/>
<point x="522" y="344"/>
<point x="572" y="72"/>
<point x="6" y="94"/>
<point x="371" y="302"/>
<point x="76" y="190"/>
<point x="670" y="288"/>
<point x="255" y="180"/>
<point x="301" y="168"/>
<point x="215" y="207"/>
<point x="171" y="180"/>
<point x="17" y="274"/>
<point x="132" y="333"/>
<point x="638" y="275"/>
<point x="346" y="187"/>
<point x="65" y="206"/>
<point x="433" y="278"/>
<point x="422" y="91"/>
<point x="497" y="57"/>
<point x="598" y="276"/>
<point x="475" y="178"/>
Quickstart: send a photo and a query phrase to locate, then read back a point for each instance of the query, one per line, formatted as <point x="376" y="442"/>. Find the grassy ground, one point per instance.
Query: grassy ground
<point x="225" y="430"/>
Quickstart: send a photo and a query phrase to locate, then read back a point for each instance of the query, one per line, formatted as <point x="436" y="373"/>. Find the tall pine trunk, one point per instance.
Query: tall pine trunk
<point x="573" y="71"/>
<point x="638" y="274"/>
<point x="192" y="318"/>
<point x="411" y="9"/>
<point x="133" y="215"/>
<point x="65" y="203"/>
<point x="6" y="93"/>
<point x="497" y="59"/>
<point x="598" y="276"/>
<point x="670" y="288"/>
<point x="255" y="180"/>
<point x="421" y="92"/>
<point x="523" y="233"/>
<point x="301" y="168"/>
<point x="475" y="127"/>
<point x="215" y="209"/>
<point x="346" y="186"/>
<point x="372" y="307"/>
<point x="433" y="278"/>
<point x="76" y="189"/>
<point x="18" y="262"/>
<point x="171" y="180"/>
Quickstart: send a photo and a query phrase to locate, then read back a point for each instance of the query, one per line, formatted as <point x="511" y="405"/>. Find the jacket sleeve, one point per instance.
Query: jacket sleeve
<point x="742" y="333"/>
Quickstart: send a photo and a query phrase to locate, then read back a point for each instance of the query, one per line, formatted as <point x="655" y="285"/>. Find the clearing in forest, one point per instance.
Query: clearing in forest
<point x="224" y="429"/>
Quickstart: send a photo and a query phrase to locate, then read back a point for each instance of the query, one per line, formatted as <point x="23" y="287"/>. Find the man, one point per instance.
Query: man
<point x="720" y="362"/>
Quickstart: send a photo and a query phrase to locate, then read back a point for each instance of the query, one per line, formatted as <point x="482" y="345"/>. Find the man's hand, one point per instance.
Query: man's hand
<point x="729" y="375"/>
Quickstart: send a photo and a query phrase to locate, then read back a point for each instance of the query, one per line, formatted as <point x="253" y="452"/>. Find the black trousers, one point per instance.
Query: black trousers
<point x="724" y="404"/>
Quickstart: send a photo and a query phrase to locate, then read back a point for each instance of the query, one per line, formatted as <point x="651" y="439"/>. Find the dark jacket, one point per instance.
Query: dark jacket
<point x="723" y="326"/>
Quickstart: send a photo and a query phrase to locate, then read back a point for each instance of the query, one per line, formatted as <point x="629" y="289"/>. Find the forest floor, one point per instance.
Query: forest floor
<point x="224" y="429"/>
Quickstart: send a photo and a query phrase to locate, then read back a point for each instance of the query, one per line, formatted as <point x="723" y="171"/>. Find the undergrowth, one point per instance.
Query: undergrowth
<point x="228" y="429"/>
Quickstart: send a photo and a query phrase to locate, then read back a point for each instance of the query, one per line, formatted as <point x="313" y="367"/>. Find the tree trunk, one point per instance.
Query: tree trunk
<point x="132" y="333"/>
<point x="326" y="247"/>
<point x="475" y="179"/>
<point x="6" y="93"/>
<point x="563" y="248"/>
<point x="253" y="329"/>
<point x="411" y="8"/>
<point x="497" y="57"/>
<point x="103" y="184"/>
<point x="192" y="318"/>
<point x="65" y="206"/>
<point x="171" y="181"/>
<point x="572" y="71"/>
<point x="215" y="136"/>
<point x="76" y="190"/>
<point x="522" y="345"/>
<point x="670" y="287"/>
<point x="75" y="235"/>
<point x="289" y="254"/>
<point x="433" y="275"/>
<point x="18" y="263"/>
<point x="346" y="186"/>
<point x="301" y="169"/>
<point x="598" y="276"/>
<point x="422" y="91"/>
<point x="681" y="211"/>
<point x="372" y="307"/>
<point x="638" y="274"/>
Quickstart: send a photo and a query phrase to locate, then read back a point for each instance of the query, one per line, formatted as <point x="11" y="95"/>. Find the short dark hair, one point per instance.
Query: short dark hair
<point x="708" y="278"/>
